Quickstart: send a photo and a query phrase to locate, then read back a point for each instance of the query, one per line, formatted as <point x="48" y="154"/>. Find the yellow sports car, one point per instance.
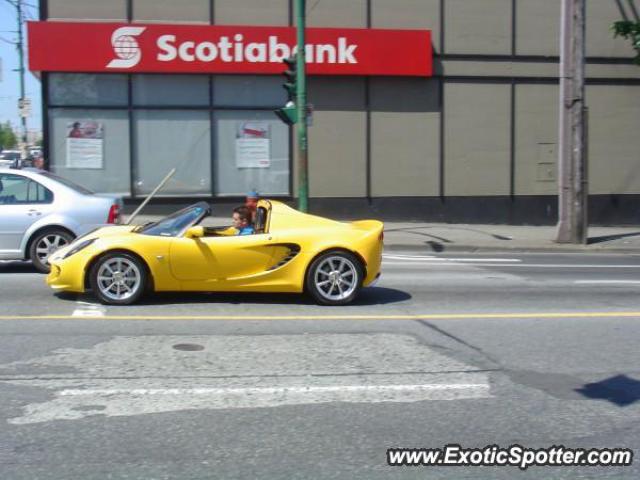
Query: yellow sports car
<point x="289" y="251"/>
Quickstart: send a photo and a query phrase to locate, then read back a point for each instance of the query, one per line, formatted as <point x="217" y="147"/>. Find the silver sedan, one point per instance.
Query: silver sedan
<point x="40" y="212"/>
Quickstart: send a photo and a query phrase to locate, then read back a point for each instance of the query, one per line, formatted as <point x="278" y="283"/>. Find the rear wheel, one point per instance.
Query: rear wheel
<point x="118" y="279"/>
<point x="45" y="244"/>
<point x="334" y="278"/>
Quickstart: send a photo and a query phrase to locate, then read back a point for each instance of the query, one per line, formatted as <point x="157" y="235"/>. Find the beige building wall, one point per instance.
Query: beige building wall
<point x="405" y="137"/>
<point x="538" y="27"/>
<point x="477" y="145"/>
<point x="337" y="13"/>
<point x="405" y="113"/>
<point x="600" y="17"/>
<point x="477" y="27"/>
<point x="614" y="139"/>
<point x="83" y="9"/>
<point x="408" y="14"/>
<point x="536" y="139"/>
<point x="337" y="139"/>
<point x="251" y="12"/>
<point x="187" y="11"/>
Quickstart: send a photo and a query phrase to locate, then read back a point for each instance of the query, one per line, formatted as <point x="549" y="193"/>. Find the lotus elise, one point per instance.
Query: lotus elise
<point x="290" y="251"/>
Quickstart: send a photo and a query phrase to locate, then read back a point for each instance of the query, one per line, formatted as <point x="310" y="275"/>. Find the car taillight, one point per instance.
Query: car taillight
<point x="114" y="214"/>
<point x="381" y="237"/>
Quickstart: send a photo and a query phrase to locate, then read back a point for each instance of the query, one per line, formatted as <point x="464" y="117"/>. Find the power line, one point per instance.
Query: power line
<point x="8" y="41"/>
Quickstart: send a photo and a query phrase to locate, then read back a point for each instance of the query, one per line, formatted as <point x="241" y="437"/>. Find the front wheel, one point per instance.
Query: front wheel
<point x="334" y="278"/>
<point x="118" y="279"/>
<point x="45" y="244"/>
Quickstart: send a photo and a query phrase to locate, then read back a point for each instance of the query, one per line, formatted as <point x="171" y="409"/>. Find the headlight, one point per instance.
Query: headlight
<point x="81" y="246"/>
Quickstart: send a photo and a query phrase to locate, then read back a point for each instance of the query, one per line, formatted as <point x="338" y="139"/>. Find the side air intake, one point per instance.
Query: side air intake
<point x="293" y="250"/>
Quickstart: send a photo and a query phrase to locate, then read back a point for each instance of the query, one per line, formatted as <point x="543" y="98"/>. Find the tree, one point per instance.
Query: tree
<point x="8" y="139"/>
<point x="631" y="31"/>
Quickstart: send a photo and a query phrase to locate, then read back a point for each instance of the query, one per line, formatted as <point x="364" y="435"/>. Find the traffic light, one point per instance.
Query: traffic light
<point x="289" y="113"/>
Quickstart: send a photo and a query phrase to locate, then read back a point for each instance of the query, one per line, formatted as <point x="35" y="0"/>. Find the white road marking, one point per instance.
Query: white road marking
<point x="516" y="265"/>
<point x="608" y="282"/>
<point x="127" y="376"/>
<point x="411" y="257"/>
<point x="86" y="309"/>
<point x="339" y="389"/>
<point x="74" y="404"/>
<point x="441" y="259"/>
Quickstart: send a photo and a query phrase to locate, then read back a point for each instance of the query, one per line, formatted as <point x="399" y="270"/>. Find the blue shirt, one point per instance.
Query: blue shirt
<point x="248" y="230"/>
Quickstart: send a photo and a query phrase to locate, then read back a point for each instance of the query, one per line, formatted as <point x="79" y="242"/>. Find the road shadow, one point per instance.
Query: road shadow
<point x="620" y="390"/>
<point x="607" y="238"/>
<point x="438" y="243"/>
<point x="368" y="296"/>
<point x="17" y="266"/>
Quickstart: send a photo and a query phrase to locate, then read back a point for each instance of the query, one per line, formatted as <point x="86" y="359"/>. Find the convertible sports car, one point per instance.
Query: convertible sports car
<point x="289" y="252"/>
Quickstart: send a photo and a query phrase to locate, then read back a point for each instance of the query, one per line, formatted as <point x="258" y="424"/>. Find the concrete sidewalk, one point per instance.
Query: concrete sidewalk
<point x="439" y="237"/>
<point x="444" y="237"/>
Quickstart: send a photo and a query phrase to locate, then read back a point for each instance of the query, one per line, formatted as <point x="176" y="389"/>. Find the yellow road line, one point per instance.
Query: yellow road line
<point x="426" y="316"/>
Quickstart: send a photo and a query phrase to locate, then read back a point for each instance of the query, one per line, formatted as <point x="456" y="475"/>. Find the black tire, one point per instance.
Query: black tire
<point x="43" y="245"/>
<point x="335" y="267"/>
<point x="125" y="288"/>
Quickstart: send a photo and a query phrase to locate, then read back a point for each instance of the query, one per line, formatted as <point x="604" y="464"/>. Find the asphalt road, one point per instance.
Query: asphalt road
<point x="539" y="350"/>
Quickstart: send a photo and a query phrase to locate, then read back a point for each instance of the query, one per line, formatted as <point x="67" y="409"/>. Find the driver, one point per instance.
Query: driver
<point x="242" y="221"/>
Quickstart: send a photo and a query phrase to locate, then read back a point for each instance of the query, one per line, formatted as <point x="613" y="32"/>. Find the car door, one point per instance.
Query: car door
<point x="23" y="201"/>
<point x="216" y="259"/>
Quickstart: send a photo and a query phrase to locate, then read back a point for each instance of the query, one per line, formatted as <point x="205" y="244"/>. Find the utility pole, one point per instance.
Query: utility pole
<point x="572" y="178"/>
<point x="301" y="104"/>
<point x="23" y="100"/>
<point x="294" y="112"/>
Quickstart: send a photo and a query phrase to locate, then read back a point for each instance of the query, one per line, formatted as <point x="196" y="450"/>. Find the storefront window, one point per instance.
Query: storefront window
<point x="165" y="139"/>
<point x="248" y="91"/>
<point x="165" y="90"/>
<point x="91" y="148"/>
<point x="251" y="152"/>
<point x="87" y="89"/>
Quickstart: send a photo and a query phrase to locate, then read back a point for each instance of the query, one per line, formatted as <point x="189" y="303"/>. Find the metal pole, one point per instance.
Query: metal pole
<point x="150" y="196"/>
<point x="301" y="103"/>
<point x="572" y="189"/>
<point x="23" y="112"/>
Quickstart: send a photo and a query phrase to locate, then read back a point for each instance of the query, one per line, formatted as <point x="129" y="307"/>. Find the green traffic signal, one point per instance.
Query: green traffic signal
<point x="292" y="91"/>
<point x="289" y="113"/>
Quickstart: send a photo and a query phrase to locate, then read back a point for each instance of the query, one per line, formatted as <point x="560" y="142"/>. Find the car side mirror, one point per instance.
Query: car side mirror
<point x="195" y="232"/>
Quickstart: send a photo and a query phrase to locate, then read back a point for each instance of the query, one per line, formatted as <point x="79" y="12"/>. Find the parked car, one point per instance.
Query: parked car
<point x="41" y="212"/>
<point x="289" y="251"/>
<point x="9" y="158"/>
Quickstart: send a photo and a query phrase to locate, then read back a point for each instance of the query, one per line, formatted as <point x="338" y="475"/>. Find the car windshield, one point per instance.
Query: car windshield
<point x="176" y="223"/>
<point x="67" y="183"/>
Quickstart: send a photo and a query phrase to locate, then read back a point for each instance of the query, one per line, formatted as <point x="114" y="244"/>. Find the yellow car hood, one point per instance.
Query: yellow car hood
<point x="98" y="233"/>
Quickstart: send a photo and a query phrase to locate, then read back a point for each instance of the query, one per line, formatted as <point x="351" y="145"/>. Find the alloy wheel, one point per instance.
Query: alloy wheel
<point x="118" y="278"/>
<point x="335" y="278"/>
<point x="49" y="244"/>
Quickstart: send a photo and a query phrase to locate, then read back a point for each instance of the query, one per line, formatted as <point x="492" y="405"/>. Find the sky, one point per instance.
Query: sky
<point x="10" y="80"/>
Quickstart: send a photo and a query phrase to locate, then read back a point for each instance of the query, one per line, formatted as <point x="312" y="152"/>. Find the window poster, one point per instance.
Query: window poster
<point x="85" y="144"/>
<point x="253" y="145"/>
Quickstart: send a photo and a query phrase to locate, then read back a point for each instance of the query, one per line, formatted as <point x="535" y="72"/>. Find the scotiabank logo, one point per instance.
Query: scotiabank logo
<point x="236" y="51"/>
<point x="225" y="49"/>
<point x="126" y="47"/>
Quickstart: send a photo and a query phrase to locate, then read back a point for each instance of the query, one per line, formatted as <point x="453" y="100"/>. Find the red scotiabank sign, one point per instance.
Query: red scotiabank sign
<point x="116" y="47"/>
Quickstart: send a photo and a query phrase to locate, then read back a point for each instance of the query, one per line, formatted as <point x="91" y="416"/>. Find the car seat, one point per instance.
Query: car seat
<point x="259" y="224"/>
